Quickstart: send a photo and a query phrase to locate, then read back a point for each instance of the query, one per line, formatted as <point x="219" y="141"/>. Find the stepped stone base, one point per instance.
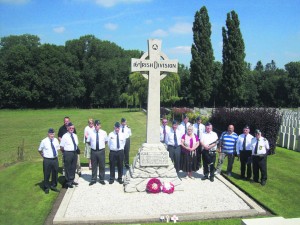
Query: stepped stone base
<point x="157" y="165"/>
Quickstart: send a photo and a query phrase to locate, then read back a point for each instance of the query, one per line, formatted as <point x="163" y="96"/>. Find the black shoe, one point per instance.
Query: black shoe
<point x="111" y="181"/>
<point x="102" y="182"/>
<point x="120" y="181"/>
<point x="211" y="179"/>
<point x="74" y="183"/>
<point x="69" y="186"/>
<point x="79" y="174"/>
<point x="204" y="178"/>
<point x="127" y="167"/>
<point x="54" y="189"/>
<point x="92" y="182"/>
<point x="46" y="191"/>
<point x="263" y="183"/>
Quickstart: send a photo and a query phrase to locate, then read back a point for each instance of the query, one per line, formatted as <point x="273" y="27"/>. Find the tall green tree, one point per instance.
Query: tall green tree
<point x="293" y="81"/>
<point x="169" y="89"/>
<point x="233" y="61"/>
<point x="202" y="58"/>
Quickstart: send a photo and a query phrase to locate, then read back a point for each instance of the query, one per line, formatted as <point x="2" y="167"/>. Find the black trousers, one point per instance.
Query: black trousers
<point x="209" y="160"/>
<point x="126" y="152"/>
<point x="259" y="164"/>
<point x="116" y="158"/>
<point x="245" y="159"/>
<point x="174" y="154"/>
<point x="98" y="161"/>
<point x="70" y="160"/>
<point x="199" y="155"/>
<point x="50" y="167"/>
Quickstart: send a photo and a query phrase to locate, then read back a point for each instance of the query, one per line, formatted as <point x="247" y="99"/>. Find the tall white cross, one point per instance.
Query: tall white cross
<point x="154" y="62"/>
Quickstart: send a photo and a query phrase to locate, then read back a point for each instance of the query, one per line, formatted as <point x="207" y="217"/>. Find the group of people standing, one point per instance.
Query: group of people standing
<point x="95" y="140"/>
<point x="189" y="144"/>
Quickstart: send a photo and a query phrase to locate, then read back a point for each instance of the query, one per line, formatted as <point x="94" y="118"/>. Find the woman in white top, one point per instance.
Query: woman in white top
<point x="87" y="130"/>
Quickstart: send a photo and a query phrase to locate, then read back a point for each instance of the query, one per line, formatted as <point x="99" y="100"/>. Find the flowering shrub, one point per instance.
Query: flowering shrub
<point x="168" y="188"/>
<point x="154" y="185"/>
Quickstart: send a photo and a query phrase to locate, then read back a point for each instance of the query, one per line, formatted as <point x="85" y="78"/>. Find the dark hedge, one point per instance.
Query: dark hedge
<point x="265" y="119"/>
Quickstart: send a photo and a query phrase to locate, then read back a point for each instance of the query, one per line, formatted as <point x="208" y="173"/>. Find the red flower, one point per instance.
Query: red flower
<point x="168" y="188"/>
<point x="154" y="185"/>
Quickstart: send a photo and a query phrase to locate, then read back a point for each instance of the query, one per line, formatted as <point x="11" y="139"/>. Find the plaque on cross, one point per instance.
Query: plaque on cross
<point x="152" y="65"/>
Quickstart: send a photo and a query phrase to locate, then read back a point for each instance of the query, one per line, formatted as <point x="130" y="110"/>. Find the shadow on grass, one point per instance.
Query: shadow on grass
<point x="40" y="184"/>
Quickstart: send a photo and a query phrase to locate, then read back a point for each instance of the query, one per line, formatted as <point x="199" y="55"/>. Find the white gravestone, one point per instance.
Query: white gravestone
<point x="152" y="160"/>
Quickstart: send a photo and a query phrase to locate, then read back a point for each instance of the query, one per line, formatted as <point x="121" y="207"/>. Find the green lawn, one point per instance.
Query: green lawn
<point x="23" y="201"/>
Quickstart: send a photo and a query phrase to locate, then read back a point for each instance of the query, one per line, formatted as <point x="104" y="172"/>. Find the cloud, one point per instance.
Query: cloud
<point x="111" y="3"/>
<point x="180" y="50"/>
<point x="15" y="2"/>
<point x="59" y="29"/>
<point x="181" y="28"/>
<point x="159" y="33"/>
<point x="111" y="26"/>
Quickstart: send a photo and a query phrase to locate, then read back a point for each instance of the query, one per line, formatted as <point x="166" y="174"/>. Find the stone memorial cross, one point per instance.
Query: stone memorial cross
<point x="153" y="62"/>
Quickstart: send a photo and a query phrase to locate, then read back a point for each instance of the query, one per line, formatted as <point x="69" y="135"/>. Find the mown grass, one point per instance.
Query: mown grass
<point x="23" y="201"/>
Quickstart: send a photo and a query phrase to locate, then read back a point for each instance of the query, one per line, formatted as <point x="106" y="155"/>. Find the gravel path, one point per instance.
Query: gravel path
<point x="110" y="201"/>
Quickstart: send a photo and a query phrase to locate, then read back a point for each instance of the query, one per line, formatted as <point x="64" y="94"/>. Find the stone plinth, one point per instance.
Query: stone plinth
<point x="158" y="165"/>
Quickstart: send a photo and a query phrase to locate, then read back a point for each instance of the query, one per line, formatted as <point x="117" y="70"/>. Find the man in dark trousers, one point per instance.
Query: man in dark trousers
<point x="68" y="146"/>
<point x="97" y="139"/>
<point x="48" y="150"/>
<point x="125" y="129"/>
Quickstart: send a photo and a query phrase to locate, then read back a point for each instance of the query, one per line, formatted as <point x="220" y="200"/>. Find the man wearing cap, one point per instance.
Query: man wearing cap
<point x="48" y="150"/>
<point x="209" y="144"/>
<point x="97" y="140"/>
<point x="244" y="152"/>
<point x="199" y="129"/>
<point x="184" y="124"/>
<point x="116" y="143"/>
<point x="260" y="147"/>
<point x="174" y="142"/>
<point x="68" y="146"/>
<point x="164" y="130"/>
<point x="125" y="129"/>
<point x="62" y="130"/>
<point x="227" y="148"/>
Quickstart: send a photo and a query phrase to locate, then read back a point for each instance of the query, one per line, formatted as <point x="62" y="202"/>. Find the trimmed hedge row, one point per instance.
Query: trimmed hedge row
<point x="265" y="119"/>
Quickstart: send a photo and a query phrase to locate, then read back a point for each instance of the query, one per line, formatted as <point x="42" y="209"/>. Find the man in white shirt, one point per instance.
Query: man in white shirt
<point x="174" y="142"/>
<point x="97" y="140"/>
<point x="209" y="144"/>
<point x="164" y="130"/>
<point x="48" y="150"/>
<point x="68" y="146"/>
<point x="260" y="147"/>
<point x="87" y="150"/>
<point x="184" y="124"/>
<point x="116" y="143"/>
<point x="125" y="129"/>
<point x="244" y="152"/>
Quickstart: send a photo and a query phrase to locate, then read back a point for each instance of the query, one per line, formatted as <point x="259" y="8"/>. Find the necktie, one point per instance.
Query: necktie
<point x="185" y="129"/>
<point x="97" y="141"/>
<point x="175" y="139"/>
<point x="256" y="146"/>
<point x="164" y="133"/>
<point x="123" y="129"/>
<point x="244" y="143"/>
<point x="198" y="131"/>
<point x="53" y="149"/>
<point x="118" y="141"/>
<point x="75" y="146"/>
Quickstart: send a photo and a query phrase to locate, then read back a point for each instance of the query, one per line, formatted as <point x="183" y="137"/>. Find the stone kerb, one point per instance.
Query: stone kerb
<point x="137" y="177"/>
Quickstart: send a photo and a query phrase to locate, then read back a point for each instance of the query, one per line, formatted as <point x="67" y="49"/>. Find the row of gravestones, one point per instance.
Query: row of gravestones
<point x="289" y="136"/>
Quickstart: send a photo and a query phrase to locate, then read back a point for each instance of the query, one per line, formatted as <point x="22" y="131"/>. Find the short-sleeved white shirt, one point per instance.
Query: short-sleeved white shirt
<point x="208" y="138"/>
<point x="112" y="141"/>
<point x="46" y="148"/>
<point x="92" y="138"/>
<point x="67" y="143"/>
<point x="87" y="131"/>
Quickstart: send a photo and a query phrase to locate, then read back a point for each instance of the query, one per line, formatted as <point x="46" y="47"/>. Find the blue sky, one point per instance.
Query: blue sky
<point x="270" y="28"/>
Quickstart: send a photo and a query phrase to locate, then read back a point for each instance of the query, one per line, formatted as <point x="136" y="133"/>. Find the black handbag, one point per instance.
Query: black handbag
<point x="78" y="150"/>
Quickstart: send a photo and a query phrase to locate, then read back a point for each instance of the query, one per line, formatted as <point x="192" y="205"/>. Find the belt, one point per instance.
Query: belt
<point x="116" y="150"/>
<point x="98" y="150"/>
<point x="50" y="158"/>
<point x="261" y="155"/>
<point x="173" y="146"/>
